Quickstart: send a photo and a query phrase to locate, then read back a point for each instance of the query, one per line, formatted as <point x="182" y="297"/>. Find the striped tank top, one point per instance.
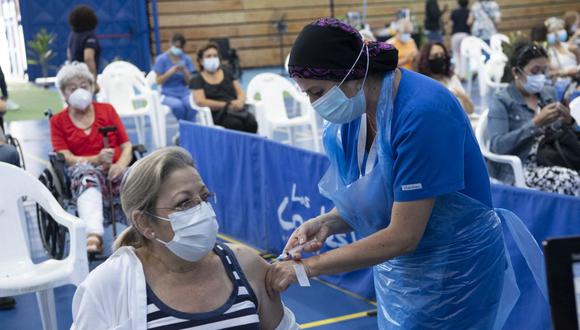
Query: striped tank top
<point x="239" y="312"/>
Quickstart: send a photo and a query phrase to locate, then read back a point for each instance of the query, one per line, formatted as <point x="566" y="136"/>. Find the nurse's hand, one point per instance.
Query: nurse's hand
<point x="315" y="231"/>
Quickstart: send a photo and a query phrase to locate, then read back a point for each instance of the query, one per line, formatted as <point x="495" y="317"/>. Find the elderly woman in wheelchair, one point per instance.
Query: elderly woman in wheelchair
<point x="96" y="150"/>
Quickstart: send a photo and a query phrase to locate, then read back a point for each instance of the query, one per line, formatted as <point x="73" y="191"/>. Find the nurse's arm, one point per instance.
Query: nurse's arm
<point x="402" y="236"/>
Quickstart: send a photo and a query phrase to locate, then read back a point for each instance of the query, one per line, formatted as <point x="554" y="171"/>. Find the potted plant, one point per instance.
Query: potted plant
<point x="40" y="51"/>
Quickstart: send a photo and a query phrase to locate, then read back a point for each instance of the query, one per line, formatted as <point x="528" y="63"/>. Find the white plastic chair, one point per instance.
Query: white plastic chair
<point x="472" y="49"/>
<point x="18" y="274"/>
<point x="493" y="71"/>
<point x="124" y="86"/>
<point x="575" y="109"/>
<point x="271" y="111"/>
<point x="496" y="41"/>
<point x="204" y="116"/>
<point x="513" y="161"/>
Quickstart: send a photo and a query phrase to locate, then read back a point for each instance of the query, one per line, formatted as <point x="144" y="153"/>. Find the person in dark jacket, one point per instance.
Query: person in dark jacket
<point x="433" y="26"/>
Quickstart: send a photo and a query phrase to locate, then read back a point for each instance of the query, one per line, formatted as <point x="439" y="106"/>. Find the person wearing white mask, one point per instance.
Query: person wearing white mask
<point x="564" y="57"/>
<point x="405" y="44"/>
<point x="216" y="88"/>
<point x="522" y="114"/>
<point x="74" y="132"/>
<point x="168" y="270"/>
<point x="407" y="177"/>
<point x="174" y="69"/>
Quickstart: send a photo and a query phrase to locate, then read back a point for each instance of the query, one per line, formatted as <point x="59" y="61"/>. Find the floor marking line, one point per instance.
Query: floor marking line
<point x="335" y="319"/>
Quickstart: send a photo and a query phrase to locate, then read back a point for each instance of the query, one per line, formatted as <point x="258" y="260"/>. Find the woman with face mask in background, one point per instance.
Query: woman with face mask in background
<point x="217" y="89"/>
<point x="74" y="132"/>
<point x="564" y="57"/>
<point x="168" y="270"/>
<point x="434" y="61"/>
<point x="404" y="44"/>
<point x="521" y="114"/>
<point x="407" y="176"/>
<point x="174" y="70"/>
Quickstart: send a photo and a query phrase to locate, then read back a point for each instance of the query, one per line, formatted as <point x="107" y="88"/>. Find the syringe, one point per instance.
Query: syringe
<point x="290" y="253"/>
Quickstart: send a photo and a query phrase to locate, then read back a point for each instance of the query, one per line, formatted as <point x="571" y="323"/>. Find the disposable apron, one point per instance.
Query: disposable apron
<point x="459" y="276"/>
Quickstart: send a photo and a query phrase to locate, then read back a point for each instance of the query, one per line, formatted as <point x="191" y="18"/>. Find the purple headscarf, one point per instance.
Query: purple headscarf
<point x="327" y="48"/>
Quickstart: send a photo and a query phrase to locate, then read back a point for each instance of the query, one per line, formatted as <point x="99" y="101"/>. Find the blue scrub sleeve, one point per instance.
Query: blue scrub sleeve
<point x="160" y="66"/>
<point x="189" y="64"/>
<point x="429" y="155"/>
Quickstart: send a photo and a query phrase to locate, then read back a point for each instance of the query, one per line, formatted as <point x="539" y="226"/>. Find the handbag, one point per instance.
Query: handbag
<point x="560" y="148"/>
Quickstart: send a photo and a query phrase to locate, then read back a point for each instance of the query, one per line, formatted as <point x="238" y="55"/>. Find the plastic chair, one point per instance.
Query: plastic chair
<point x="472" y="49"/>
<point x="575" y="109"/>
<point x="271" y="112"/>
<point x="124" y="86"/>
<point x="496" y="41"/>
<point x="514" y="161"/>
<point x="493" y="71"/>
<point x="18" y="274"/>
<point x="204" y="116"/>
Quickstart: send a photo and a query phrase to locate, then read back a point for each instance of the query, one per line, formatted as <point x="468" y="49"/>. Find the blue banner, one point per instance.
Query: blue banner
<point x="266" y="189"/>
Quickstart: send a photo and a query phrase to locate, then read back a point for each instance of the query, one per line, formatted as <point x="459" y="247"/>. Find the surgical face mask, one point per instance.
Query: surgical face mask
<point x="80" y="99"/>
<point x="211" y="64"/>
<point x="562" y="35"/>
<point x="176" y="51"/>
<point x="438" y="65"/>
<point x="405" y="37"/>
<point x="534" y="83"/>
<point x="195" y="231"/>
<point x="336" y="107"/>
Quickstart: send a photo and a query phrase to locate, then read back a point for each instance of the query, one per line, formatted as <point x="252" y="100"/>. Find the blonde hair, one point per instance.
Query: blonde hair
<point x="141" y="184"/>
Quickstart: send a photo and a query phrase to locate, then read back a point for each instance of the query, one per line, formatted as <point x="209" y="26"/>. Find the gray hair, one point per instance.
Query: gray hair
<point x="141" y="184"/>
<point x="69" y="71"/>
<point x="554" y="23"/>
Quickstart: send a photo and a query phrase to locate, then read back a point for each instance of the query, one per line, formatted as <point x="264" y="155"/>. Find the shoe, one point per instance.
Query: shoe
<point x="94" y="244"/>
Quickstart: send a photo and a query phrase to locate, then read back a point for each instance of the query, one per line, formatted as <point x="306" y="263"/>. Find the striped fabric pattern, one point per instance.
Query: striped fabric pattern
<point x="239" y="312"/>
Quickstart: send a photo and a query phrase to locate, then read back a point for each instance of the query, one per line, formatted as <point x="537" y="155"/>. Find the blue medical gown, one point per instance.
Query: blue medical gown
<point x="459" y="276"/>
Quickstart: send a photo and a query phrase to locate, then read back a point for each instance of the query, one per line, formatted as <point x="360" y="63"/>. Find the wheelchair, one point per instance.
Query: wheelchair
<point x="52" y="234"/>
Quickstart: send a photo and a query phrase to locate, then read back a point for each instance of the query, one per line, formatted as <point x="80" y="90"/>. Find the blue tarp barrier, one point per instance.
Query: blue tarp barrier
<point x="266" y="189"/>
<point x="123" y="30"/>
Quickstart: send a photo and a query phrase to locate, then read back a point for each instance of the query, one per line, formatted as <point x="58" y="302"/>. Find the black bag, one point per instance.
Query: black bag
<point x="560" y="148"/>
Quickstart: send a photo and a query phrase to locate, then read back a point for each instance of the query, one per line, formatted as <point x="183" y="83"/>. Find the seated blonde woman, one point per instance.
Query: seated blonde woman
<point x="168" y="271"/>
<point x="564" y="57"/>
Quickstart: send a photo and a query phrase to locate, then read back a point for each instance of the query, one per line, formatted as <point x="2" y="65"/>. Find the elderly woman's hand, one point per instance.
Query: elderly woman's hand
<point x="106" y="156"/>
<point x="115" y="171"/>
<point x="280" y="276"/>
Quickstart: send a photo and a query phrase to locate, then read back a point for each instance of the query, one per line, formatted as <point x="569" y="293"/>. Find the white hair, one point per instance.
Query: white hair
<point x="73" y="70"/>
<point x="554" y="23"/>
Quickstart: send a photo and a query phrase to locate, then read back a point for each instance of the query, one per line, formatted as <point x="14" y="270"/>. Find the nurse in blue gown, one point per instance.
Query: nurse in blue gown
<point x="408" y="177"/>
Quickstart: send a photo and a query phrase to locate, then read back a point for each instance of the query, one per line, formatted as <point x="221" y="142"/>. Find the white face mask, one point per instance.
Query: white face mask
<point x="195" y="231"/>
<point x="211" y="64"/>
<point x="405" y="37"/>
<point x="336" y="107"/>
<point x="80" y="99"/>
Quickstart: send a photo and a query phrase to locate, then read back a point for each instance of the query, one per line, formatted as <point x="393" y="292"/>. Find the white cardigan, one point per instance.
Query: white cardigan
<point x="113" y="296"/>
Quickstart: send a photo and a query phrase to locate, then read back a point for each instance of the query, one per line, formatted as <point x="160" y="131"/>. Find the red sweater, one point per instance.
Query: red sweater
<point x="64" y="135"/>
